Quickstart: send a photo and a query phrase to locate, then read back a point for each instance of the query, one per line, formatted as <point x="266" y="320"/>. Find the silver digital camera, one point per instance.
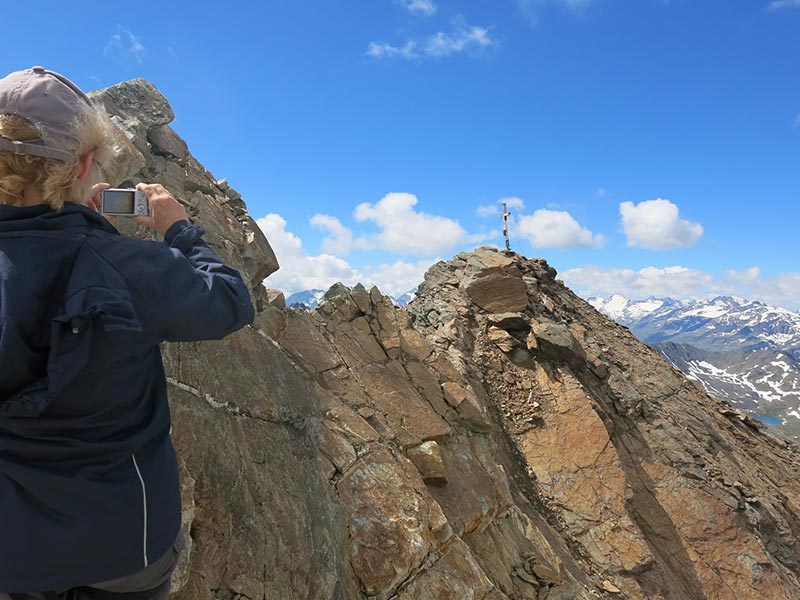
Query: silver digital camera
<point x="124" y="203"/>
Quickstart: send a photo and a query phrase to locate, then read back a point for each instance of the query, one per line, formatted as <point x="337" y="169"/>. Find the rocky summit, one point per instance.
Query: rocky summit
<point x="497" y="439"/>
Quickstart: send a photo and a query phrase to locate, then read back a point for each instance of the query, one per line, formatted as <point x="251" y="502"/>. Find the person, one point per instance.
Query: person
<point x="89" y="497"/>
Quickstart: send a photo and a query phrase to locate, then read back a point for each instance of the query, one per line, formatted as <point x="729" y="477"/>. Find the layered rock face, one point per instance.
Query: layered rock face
<point x="663" y="490"/>
<point x="497" y="440"/>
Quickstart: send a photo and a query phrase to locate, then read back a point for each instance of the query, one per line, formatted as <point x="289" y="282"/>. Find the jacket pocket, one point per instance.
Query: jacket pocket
<point x="28" y="402"/>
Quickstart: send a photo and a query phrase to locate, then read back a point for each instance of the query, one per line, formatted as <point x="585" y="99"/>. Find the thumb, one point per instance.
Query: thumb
<point x="94" y="195"/>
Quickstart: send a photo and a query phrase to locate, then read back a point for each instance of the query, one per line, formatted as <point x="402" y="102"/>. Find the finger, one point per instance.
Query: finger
<point x="148" y="189"/>
<point x="146" y="221"/>
<point x="94" y="199"/>
<point x="153" y="190"/>
<point x="99" y="187"/>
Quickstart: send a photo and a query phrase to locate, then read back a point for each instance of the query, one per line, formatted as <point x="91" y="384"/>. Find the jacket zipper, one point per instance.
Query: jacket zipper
<point x="144" y="508"/>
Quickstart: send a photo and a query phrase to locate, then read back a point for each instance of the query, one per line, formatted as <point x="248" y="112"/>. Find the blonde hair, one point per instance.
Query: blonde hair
<point x="56" y="181"/>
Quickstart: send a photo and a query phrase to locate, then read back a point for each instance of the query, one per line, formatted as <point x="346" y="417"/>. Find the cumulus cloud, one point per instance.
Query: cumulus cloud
<point x="781" y="4"/>
<point x="299" y="270"/>
<point x="675" y="281"/>
<point x="493" y="210"/>
<point x="556" y="229"/>
<point x="782" y="290"/>
<point x="340" y="238"/>
<point x="125" y="46"/>
<point x="513" y="202"/>
<point x="399" y="277"/>
<point x="461" y="39"/>
<point x="683" y="283"/>
<point x="418" y="7"/>
<point x="404" y="230"/>
<point x="656" y="225"/>
<point x="746" y="276"/>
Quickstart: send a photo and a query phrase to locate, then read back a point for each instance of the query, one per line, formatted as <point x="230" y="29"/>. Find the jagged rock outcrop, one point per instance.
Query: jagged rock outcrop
<point x="496" y="440"/>
<point x="665" y="491"/>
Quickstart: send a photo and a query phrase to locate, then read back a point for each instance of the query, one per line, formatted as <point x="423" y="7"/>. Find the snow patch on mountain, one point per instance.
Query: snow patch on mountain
<point x="621" y="309"/>
<point x="308" y="299"/>
<point x="305" y="299"/>
<point x="742" y="351"/>
<point x="717" y="324"/>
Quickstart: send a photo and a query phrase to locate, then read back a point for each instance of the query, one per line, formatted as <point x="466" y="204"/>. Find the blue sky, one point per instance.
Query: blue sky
<point x="645" y="148"/>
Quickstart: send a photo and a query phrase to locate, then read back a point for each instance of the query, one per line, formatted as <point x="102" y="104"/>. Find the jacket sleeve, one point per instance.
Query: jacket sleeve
<point x="190" y="293"/>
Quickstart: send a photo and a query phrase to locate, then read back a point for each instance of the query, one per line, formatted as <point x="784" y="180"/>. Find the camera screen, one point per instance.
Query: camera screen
<point x="118" y="202"/>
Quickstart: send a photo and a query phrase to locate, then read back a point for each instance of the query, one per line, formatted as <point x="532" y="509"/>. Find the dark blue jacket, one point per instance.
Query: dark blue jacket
<point x="88" y="477"/>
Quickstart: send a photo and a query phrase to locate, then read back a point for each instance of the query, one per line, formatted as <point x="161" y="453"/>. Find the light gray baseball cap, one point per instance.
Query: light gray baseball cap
<point x="52" y="103"/>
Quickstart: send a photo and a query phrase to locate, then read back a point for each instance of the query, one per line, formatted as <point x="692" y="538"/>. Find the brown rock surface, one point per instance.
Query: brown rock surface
<point x="646" y="476"/>
<point x="496" y="440"/>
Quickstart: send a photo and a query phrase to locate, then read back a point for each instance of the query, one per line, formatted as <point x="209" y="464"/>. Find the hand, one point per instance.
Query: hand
<point x="164" y="209"/>
<point x="94" y="201"/>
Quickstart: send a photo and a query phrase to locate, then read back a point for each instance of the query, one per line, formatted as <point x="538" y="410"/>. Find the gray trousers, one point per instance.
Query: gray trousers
<point x="151" y="583"/>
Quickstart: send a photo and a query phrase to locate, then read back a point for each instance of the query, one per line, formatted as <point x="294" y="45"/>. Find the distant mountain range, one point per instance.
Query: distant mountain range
<point x="720" y="324"/>
<point x="308" y="299"/>
<point x="742" y="351"/>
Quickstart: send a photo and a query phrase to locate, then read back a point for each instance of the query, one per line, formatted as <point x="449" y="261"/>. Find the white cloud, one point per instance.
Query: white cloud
<point x="779" y="4"/>
<point x="340" y="240"/>
<point x="745" y="277"/>
<point x="298" y="270"/>
<point x="382" y="50"/>
<point x="404" y="230"/>
<point x="675" y="281"/>
<point x="682" y="283"/>
<point x="513" y="202"/>
<point x="124" y="45"/>
<point x="494" y="210"/>
<point x="462" y="39"/>
<point x="419" y="7"/>
<point x="797" y="120"/>
<point x="488" y="210"/>
<point x="556" y="229"/>
<point x="478" y="238"/>
<point x="399" y="277"/>
<point x="656" y="225"/>
<point x="782" y="290"/>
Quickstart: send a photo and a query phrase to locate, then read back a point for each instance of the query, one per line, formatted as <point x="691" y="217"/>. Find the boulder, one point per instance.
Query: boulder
<point x="428" y="459"/>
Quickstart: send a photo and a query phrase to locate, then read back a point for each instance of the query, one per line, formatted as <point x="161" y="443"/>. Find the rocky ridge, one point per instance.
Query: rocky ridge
<point x="498" y="439"/>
